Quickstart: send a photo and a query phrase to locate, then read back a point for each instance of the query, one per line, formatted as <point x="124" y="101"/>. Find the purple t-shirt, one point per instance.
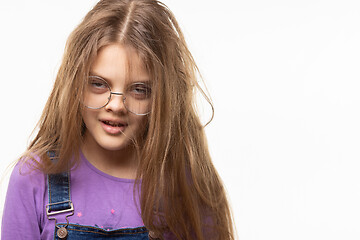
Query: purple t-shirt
<point x="99" y="200"/>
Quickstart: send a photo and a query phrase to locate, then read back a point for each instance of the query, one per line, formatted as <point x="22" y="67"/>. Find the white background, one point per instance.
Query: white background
<point x="284" y="79"/>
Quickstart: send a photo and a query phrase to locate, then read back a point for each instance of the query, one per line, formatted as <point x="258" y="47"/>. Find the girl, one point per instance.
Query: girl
<point x="120" y="152"/>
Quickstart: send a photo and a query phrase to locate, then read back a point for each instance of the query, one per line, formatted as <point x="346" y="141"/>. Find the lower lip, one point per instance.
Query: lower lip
<point x="112" y="130"/>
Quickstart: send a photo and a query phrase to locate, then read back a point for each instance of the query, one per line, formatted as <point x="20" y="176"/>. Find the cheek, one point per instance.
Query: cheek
<point x="89" y="117"/>
<point x="141" y="125"/>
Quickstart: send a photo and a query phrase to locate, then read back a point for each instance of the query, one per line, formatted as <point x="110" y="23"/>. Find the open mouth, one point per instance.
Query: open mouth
<point x="114" y="124"/>
<point x="113" y="128"/>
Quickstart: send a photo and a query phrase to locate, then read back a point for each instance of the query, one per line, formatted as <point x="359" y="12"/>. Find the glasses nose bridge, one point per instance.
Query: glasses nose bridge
<point x="123" y="105"/>
<point x="117" y="93"/>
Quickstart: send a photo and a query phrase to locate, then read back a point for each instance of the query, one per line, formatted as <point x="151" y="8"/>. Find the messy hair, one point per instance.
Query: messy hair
<point x="181" y="191"/>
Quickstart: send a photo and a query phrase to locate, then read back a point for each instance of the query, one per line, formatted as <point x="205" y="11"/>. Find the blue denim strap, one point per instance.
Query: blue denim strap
<point x="58" y="190"/>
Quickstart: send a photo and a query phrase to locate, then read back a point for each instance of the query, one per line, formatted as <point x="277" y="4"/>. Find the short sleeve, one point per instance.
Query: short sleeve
<point x="23" y="210"/>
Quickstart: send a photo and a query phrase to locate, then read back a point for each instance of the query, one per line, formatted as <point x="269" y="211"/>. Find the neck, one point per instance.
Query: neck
<point x="118" y="163"/>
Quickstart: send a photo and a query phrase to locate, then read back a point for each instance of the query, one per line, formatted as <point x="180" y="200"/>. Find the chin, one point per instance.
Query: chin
<point x="113" y="145"/>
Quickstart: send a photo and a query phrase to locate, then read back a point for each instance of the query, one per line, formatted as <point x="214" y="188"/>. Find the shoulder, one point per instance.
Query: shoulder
<point x="24" y="202"/>
<point x="27" y="185"/>
<point x="25" y="175"/>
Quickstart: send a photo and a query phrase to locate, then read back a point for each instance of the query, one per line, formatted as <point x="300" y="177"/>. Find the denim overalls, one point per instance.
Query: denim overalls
<point x="60" y="202"/>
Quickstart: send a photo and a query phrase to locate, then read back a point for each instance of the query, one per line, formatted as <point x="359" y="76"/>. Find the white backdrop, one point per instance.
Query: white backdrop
<point x="284" y="78"/>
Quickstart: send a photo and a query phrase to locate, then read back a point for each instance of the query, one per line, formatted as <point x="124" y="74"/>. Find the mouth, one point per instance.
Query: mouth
<point x="114" y="124"/>
<point x="113" y="127"/>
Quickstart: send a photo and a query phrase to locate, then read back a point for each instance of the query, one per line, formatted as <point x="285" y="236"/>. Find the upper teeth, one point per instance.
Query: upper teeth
<point x="113" y="123"/>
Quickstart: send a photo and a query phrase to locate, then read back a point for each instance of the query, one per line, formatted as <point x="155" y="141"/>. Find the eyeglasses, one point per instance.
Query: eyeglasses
<point x="136" y="97"/>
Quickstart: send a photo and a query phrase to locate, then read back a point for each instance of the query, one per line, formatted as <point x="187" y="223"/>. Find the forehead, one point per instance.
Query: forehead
<point x="119" y="62"/>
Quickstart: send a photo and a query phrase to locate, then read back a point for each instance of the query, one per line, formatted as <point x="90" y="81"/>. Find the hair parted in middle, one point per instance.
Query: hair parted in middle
<point x="180" y="188"/>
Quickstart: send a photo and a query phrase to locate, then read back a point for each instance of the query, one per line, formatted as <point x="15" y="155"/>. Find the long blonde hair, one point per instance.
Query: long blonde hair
<point x="181" y="191"/>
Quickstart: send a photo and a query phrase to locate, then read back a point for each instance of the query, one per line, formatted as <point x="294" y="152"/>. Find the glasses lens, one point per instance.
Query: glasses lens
<point x="97" y="93"/>
<point x="137" y="98"/>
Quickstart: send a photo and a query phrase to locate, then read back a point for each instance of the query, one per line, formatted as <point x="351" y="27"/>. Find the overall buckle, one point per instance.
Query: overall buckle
<point x="50" y="213"/>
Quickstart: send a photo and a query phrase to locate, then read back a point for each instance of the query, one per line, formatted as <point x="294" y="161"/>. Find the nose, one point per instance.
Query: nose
<point x="116" y="103"/>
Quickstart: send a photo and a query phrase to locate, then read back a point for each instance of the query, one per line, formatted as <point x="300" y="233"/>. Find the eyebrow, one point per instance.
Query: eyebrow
<point x="146" y="81"/>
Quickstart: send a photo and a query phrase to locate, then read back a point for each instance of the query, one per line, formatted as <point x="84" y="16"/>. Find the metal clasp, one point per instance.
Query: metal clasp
<point x="49" y="213"/>
<point x="61" y="232"/>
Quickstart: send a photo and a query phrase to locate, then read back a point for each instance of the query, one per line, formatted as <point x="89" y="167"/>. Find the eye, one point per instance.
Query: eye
<point x="139" y="91"/>
<point x="97" y="85"/>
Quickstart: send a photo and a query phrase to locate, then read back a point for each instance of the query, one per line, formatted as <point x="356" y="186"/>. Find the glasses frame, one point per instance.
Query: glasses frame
<point x="116" y="93"/>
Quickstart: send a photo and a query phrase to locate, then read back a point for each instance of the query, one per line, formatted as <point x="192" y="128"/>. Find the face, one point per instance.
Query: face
<point x="113" y="127"/>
